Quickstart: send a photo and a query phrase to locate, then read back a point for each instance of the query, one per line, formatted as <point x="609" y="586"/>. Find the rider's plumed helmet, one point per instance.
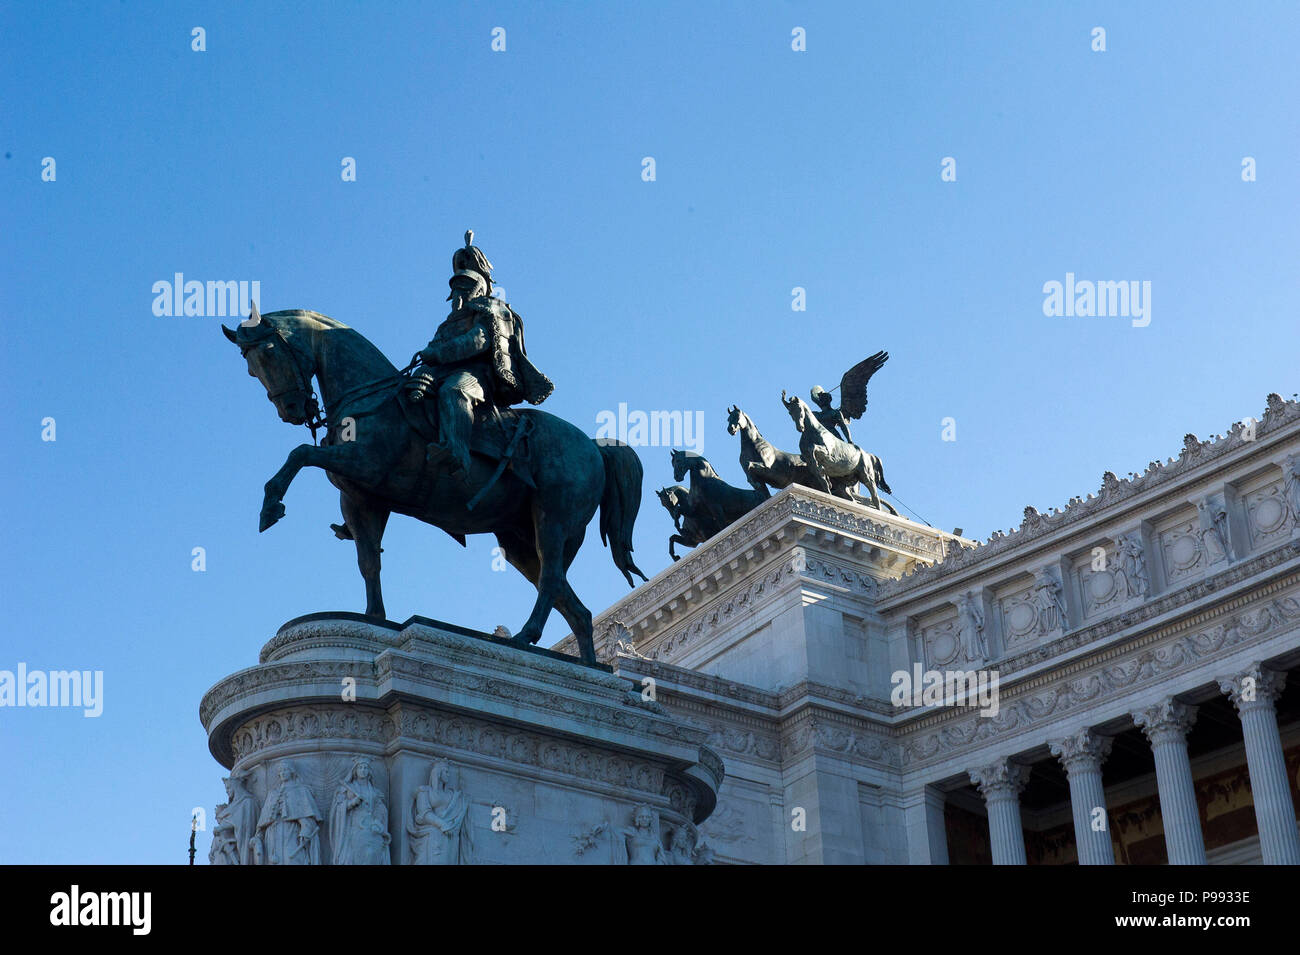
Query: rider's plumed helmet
<point x="472" y="259"/>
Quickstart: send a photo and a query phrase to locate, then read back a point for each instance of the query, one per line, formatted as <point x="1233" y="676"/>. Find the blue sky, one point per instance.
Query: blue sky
<point x="774" y="169"/>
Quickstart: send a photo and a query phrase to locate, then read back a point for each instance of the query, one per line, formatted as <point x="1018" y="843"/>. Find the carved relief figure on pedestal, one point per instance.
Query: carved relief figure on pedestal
<point x="359" y="820"/>
<point x="1051" y="606"/>
<point x="642" y="838"/>
<point x="289" y="826"/>
<point x="438" y="821"/>
<point x="683" y="847"/>
<point x="236" y="826"/>
<point x="970" y="629"/>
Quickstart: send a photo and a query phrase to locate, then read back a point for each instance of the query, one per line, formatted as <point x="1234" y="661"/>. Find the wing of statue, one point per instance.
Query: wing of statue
<point x="853" y="386"/>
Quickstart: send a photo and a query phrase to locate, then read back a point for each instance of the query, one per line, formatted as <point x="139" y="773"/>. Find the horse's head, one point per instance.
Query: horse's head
<point x="668" y="498"/>
<point x="736" y="419"/>
<point x="273" y="362"/>
<point x="798" y="410"/>
<point x="680" y="464"/>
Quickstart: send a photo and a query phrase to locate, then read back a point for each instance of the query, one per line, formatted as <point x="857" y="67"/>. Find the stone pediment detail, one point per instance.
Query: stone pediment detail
<point x="1195" y="456"/>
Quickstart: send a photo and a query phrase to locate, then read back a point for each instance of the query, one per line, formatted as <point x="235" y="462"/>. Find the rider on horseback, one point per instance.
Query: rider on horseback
<point x="476" y="357"/>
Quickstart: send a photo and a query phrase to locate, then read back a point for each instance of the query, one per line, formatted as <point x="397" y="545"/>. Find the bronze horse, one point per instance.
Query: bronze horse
<point x="764" y="463"/>
<point x="837" y="465"/>
<point x="380" y="469"/>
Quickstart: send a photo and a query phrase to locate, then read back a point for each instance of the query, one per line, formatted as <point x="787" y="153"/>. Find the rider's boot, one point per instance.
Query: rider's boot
<point x="457" y="419"/>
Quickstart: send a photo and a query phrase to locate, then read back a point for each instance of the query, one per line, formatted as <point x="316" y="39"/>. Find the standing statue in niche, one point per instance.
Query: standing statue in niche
<point x="236" y="829"/>
<point x="970" y="629"/>
<point x="1291" y="486"/>
<point x="289" y="827"/>
<point x="359" y="820"/>
<point x="438" y="821"/>
<point x="1051" y="606"/>
<point x="1133" y="565"/>
<point x="1214" y="531"/>
<point x="642" y="838"/>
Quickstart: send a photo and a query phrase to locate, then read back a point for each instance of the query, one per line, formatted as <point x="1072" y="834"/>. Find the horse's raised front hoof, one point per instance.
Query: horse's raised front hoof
<point x="272" y="511"/>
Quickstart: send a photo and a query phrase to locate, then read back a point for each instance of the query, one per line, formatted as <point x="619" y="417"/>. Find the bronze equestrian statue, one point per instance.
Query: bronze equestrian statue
<point x="530" y="478"/>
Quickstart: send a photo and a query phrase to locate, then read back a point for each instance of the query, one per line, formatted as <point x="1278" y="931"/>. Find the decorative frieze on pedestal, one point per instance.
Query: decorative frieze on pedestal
<point x="360" y="743"/>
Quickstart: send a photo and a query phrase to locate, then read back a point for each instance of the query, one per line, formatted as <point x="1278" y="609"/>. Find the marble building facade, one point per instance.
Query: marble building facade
<point x="1141" y="639"/>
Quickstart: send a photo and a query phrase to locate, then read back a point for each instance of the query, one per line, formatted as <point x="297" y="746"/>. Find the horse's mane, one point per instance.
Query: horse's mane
<point x="758" y="440"/>
<point x="317" y="316"/>
<point x="809" y="417"/>
<point x="309" y="321"/>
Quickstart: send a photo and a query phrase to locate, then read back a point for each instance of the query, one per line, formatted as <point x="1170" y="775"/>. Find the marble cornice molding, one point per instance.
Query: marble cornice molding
<point x="1247" y="604"/>
<point x="408" y="727"/>
<point x="1113" y="503"/>
<point x="1129" y="623"/>
<point x="679" y="679"/>
<point x="819" y="731"/>
<point x="1112" y="676"/>
<point x="458" y="674"/>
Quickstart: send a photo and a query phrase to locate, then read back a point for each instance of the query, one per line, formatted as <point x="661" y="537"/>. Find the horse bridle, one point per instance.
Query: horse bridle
<point x="317" y="417"/>
<point x="302" y="384"/>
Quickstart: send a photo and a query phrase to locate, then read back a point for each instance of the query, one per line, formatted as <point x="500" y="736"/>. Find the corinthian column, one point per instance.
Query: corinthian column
<point x="1082" y="755"/>
<point x="1166" y="725"/>
<point x="1000" y="783"/>
<point x="1254" y="693"/>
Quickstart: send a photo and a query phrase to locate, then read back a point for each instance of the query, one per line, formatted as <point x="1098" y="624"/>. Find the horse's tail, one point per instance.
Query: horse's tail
<point x="880" y="475"/>
<point x="619" y="503"/>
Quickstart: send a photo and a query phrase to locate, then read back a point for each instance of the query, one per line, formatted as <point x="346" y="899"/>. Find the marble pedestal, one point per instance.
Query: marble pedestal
<point x="354" y="741"/>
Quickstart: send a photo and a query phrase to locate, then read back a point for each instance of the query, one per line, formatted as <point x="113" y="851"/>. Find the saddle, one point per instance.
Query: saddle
<point x="492" y="436"/>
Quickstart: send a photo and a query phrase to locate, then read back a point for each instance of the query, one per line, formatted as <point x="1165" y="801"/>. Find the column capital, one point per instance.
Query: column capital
<point x="1001" y="778"/>
<point x="1083" y="750"/>
<point x="1255" y="686"/>
<point x="1166" y="721"/>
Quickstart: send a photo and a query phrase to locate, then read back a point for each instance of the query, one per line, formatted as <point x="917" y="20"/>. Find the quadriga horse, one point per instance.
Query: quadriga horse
<point x="762" y="462"/>
<point x="382" y="470"/>
<point x="837" y="465"/>
<point x="715" y="502"/>
<point x="677" y="501"/>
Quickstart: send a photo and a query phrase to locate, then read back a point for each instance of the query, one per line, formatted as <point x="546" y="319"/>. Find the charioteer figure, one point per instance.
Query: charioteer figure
<point x="476" y="358"/>
<point x="853" y="392"/>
